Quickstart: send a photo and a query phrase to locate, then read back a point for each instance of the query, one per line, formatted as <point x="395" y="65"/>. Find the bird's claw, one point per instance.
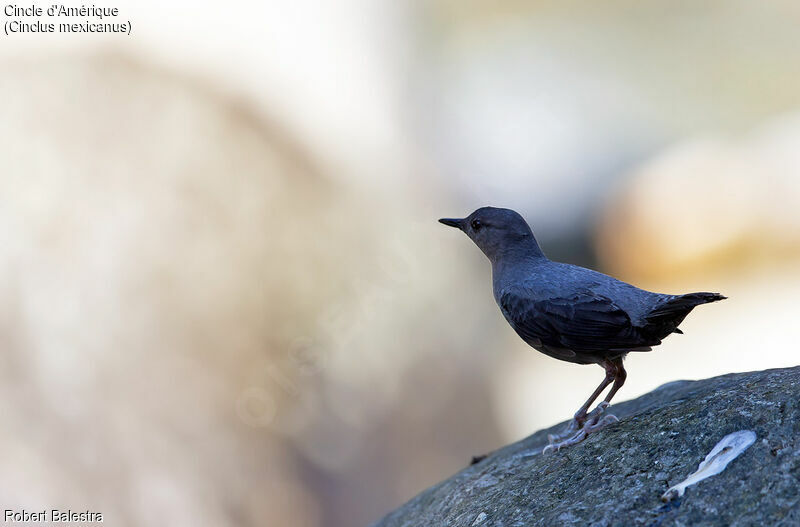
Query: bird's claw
<point x="594" y="422"/>
<point x="579" y="436"/>
<point x="569" y="431"/>
<point x="602" y="423"/>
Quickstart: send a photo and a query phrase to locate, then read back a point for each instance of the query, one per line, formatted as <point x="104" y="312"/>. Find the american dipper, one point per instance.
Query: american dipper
<point x="572" y="313"/>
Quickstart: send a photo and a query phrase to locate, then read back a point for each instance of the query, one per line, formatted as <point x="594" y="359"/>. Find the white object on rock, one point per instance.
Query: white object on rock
<point x="715" y="462"/>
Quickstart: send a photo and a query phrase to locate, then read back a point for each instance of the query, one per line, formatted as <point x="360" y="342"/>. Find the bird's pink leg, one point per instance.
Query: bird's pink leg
<point x="619" y="379"/>
<point x="584" y="424"/>
<point x="593" y="421"/>
<point x="581" y="415"/>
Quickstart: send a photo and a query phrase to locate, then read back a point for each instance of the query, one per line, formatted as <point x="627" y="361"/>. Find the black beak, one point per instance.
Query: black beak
<point x="452" y="222"/>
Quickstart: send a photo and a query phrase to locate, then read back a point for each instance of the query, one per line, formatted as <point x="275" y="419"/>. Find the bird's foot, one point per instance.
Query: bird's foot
<point x="568" y="432"/>
<point x="594" y="422"/>
<point x="577" y="423"/>
<point x="595" y="415"/>
<point x="588" y="428"/>
<point x="597" y="420"/>
<point x="576" y="438"/>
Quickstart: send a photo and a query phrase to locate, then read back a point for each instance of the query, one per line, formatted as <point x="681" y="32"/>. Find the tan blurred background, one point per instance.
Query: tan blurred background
<point x="224" y="297"/>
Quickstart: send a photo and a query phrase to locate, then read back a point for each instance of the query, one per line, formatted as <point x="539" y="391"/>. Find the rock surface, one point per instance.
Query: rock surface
<point x="617" y="476"/>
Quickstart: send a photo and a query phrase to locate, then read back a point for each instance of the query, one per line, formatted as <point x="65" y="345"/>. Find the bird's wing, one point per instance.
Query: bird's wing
<point x="583" y="322"/>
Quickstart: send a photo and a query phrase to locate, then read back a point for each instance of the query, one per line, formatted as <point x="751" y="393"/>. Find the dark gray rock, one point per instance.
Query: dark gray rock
<point x="617" y="476"/>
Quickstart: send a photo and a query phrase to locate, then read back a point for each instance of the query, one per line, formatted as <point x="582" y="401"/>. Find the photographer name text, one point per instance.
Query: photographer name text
<point x="51" y="516"/>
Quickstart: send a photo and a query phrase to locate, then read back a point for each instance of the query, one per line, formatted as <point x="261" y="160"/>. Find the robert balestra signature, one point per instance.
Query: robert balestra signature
<point x="51" y="515"/>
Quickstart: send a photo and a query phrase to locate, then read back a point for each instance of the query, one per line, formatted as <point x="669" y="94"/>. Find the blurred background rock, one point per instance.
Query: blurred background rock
<point x="225" y="298"/>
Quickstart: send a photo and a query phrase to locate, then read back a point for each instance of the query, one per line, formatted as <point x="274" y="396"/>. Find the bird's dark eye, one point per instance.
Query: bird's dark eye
<point x="476" y="224"/>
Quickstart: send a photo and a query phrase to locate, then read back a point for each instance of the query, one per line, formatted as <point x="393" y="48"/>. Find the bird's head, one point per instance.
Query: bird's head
<point x="497" y="232"/>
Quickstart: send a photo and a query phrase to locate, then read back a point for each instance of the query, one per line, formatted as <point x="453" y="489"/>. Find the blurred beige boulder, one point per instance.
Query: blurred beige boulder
<point x="708" y="205"/>
<point x="154" y="262"/>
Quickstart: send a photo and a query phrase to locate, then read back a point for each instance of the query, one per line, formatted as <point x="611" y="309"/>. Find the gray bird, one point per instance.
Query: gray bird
<point x="572" y="313"/>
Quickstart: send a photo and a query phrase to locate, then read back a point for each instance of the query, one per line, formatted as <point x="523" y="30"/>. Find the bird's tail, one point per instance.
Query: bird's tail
<point x="664" y="319"/>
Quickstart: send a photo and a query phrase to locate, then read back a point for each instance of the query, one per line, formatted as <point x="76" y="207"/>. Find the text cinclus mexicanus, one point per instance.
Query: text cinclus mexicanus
<point x="572" y="313"/>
